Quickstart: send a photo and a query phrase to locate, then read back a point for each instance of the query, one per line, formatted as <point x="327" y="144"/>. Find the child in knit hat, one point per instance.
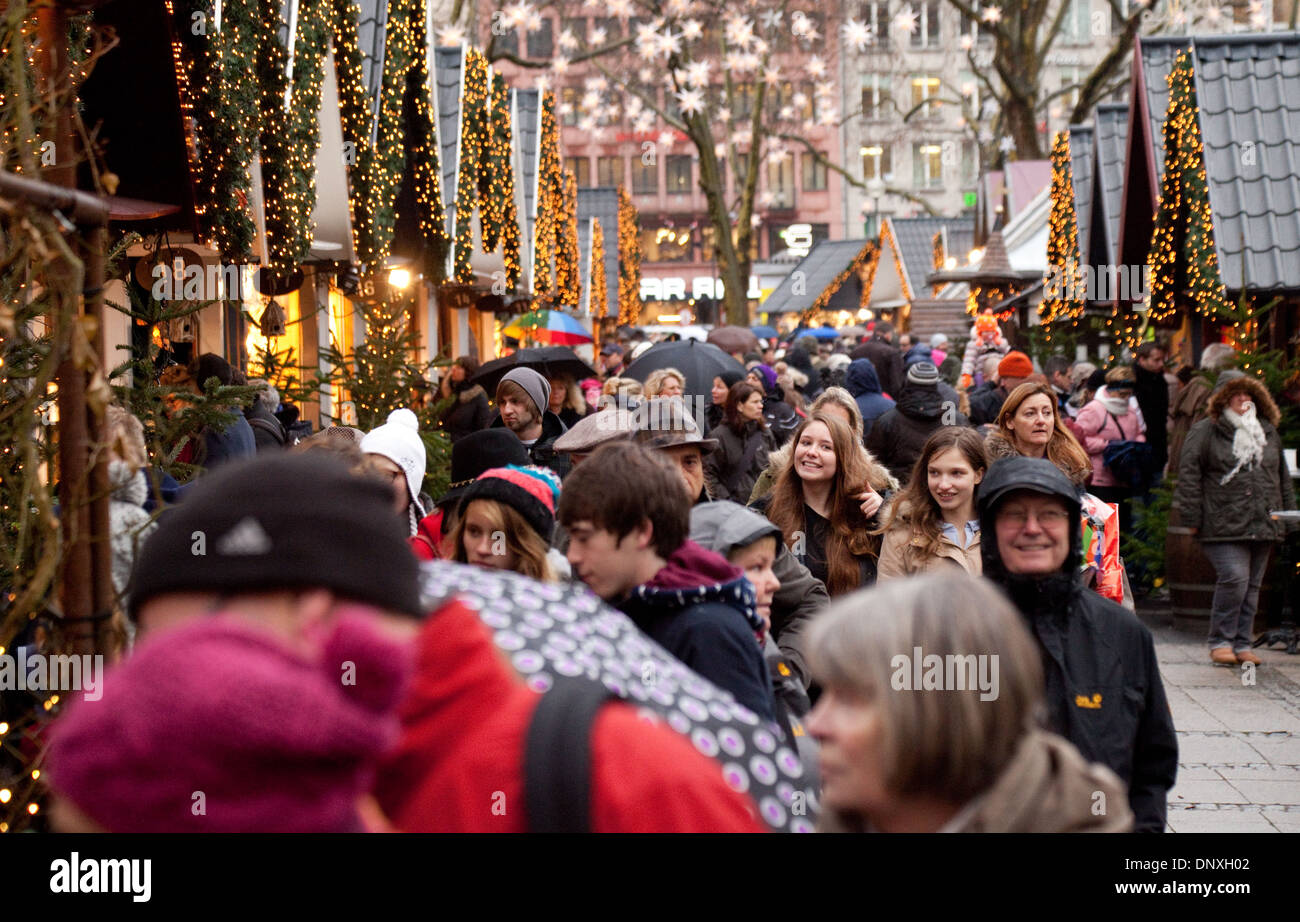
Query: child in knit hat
<point x="506" y="519"/>
<point x="395" y="452"/>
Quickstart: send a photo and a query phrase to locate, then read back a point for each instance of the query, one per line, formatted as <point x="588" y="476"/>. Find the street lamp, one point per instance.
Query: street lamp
<point x="876" y="189"/>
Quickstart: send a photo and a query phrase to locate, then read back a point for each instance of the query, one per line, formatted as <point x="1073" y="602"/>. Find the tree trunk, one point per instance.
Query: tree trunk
<point x="735" y="283"/>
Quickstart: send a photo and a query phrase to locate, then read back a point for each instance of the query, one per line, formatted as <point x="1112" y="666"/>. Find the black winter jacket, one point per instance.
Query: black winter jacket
<point x="888" y="362"/>
<point x="731" y="469"/>
<point x="469" y="412"/>
<point x="986" y="404"/>
<point x="900" y="433"/>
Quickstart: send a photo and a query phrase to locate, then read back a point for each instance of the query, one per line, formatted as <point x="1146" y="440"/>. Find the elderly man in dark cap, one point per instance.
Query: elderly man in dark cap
<point x="1104" y="692"/>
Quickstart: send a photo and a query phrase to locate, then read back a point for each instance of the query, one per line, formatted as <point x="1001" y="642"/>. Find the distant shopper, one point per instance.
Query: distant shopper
<point x="469" y="412"/>
<point x="744" y="443"/>
<point x="1233" y="474"/>
<point x="396" y="453"/>
<point x="921" y="410"/>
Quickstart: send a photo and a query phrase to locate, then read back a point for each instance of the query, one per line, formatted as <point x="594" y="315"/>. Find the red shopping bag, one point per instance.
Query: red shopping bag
<point x="1100" y="523"/>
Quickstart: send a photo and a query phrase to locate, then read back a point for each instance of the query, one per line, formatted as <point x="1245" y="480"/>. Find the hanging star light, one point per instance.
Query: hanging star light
<point x="598" y="36"/>
<point x="824" y="88"/>
<point x="786" y="113"/>
<point x="760" y="47"/>
<point x="1006" y="145"/>
<point x="723" y="114"/>
<point x="647" y="42"/>
<point x="564" y="108"/>
<point x="800" y="24"/>
<point x="534" y="21"/>
<point x="816" y="66"/>
<point x="905" y="21"/>
<point x="739" y="31"/>
<point x="690" y="102"/>
<point x="691" y="30"/>
<point x="542" y="83"/>
<point x="567" y="40"/>
<point x="586" y="123"/>
<point x="799" y="100"/>
<point x="766" y="198"/>
<point x="772" y="75"/>
<point x="451" y="35"/>
<point x="678" y="7"/>
<point x="620" y="8"/>
<point x="644" y="122"/>
<point x="992" y="14"/>
<point x="827" y="116"/>
<point x="645" y="74"/>
<point x="599" y="83"/>
<point x="770" y="18"/>
<point x="966" y="42"/>
<point x="857" y="35"/>
<point x="697" y="73"/>
<point x="741" y="137"/>
<point x="590" y="100"/>
<point x="667" y="138"/>
<point x="560" y="65"/>
<point x="516" y="14"/>
<point x="667" y="44"/>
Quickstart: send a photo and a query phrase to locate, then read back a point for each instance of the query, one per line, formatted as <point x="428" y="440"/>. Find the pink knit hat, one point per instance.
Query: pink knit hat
<point x="216" y="727"/>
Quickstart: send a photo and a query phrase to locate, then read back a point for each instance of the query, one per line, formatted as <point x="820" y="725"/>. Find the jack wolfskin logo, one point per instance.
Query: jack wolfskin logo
<point x="1084" y="701"/>
<point x="246" y="539"/>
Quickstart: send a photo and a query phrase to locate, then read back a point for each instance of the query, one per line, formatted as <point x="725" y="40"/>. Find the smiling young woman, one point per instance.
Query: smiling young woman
<point x="816" y="504"/>
<point x="1030" y="426"/>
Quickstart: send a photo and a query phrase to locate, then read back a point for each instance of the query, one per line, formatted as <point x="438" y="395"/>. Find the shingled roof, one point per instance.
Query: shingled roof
<point x="372" y="21"/>
<point x="525" y="121"/>
<point x="1081" y="158"/>
<point x="1248" y="90"/>
<point x="448" y="76"/>
<point x="1111" y="131"/>
<point x="815" y="272"/>
<point x="915" y="238"/>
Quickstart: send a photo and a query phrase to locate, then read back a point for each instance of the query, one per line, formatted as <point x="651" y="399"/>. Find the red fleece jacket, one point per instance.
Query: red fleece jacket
<point x="458" y="767"/>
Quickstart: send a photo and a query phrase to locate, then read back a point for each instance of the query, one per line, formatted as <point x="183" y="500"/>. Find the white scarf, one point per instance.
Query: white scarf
<point x="1247" y="440"/>
<point x="1112" y="404"/>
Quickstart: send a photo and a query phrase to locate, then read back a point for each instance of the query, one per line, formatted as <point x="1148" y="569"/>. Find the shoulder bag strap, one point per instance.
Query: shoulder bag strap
<point x="557" y="756"/>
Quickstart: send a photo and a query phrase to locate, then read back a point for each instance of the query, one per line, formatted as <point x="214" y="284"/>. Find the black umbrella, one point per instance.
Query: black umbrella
<point x="545" y="360"/>
<point x="549" y="630"/>
<point x="699" y="362"/>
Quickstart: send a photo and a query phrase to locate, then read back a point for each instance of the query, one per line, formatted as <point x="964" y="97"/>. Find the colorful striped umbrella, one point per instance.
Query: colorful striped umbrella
<point x="546" y="326"/>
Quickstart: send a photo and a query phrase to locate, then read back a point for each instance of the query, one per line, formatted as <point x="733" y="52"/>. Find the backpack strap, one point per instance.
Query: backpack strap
<point x="557" y="756"/>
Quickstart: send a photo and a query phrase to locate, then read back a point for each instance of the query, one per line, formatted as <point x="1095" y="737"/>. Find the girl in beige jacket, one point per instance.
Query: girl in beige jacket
<point x="932" y="524"/>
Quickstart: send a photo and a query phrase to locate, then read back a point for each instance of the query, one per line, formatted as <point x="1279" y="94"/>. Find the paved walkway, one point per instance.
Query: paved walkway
<point x="1238" y="744"/>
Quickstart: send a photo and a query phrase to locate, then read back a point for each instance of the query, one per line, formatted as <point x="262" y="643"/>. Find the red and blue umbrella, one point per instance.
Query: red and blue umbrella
<point x="555" y="328"/>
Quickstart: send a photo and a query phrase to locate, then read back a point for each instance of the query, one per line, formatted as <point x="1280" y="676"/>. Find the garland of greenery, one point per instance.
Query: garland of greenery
<point x="1064" y="281"/>
<point x="599" y="303"/>
<point x="549" y="195"/>
<point x="1183" y="259"/>
<point x="629" y="260"/>
<point x="568" y="274"/>
<point x="474" y="154"/>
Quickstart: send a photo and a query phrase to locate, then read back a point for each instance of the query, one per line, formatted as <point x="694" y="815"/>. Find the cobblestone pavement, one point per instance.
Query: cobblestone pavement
<point x="1238" y="744"/>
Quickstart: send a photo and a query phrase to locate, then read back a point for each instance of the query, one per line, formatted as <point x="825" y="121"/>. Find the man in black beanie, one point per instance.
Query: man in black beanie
<point x="283" y="539"/>
<point x="1104" y="692"/>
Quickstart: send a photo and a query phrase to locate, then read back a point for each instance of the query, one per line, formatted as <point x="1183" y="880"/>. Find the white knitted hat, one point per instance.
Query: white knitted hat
<point x="399" y="441"/>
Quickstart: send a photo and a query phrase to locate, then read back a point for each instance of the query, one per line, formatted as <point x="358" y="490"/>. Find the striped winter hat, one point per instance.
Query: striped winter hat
<point x="531" y="491"/>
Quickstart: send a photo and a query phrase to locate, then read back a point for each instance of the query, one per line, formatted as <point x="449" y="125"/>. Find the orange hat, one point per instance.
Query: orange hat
<point x="986" y="323"/>
<point x="1015" y="365"/>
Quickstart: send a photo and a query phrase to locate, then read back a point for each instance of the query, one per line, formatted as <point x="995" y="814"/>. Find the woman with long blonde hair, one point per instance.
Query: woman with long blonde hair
<point x="1030" y="425"/>
<point x="815" y="502"/>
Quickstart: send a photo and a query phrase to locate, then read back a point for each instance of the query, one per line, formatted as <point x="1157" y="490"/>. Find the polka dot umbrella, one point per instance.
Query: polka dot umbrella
<point x="549" y="631"/>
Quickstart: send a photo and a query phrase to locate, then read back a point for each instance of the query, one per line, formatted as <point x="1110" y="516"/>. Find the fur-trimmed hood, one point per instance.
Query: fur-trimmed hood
<point x="998" y="446"/>
<point x="1265" y="407"/>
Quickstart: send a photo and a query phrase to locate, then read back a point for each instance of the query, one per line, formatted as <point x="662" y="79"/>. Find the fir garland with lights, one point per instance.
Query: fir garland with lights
<point x="568" y="277"/>
<point x="1183" y="259"/>
<point x="474" y="156"/>
<point x="550" y="193"/>
<point x="598" y="306"/>
<point x="1064" y="281"/>
<point x="629" y="260"/>
<point x="501" y="184"/>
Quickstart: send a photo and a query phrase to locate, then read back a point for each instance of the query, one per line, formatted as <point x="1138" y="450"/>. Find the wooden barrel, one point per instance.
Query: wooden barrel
<point x="1190" y="577"/>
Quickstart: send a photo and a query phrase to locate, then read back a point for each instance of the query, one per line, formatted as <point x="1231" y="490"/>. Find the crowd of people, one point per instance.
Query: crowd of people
<point x="823" y="510"/>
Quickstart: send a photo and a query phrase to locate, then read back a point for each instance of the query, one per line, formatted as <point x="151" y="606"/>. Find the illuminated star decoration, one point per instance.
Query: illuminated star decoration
<point x="515" y="15"/>
<point x="739" y="31"/>
<point x="691" y="101"/>
<point x="644" y="121"/>
<point x="770" y="19"/>
<point x="620" y="8"/>
<point x="772" y="75"/>
<point x="803" y="28"/>
<point x="598" y="36"/>
<point x="691" y="30"/>
<point x="966" y="43"/>
<point x="667" y="139"/>
<point x="992" y="14"/>
<point x="697" y="73"/>
<point x="816" y="66"/>
<point x="451" y="35"/>
<point x="560" y="65"/>
<point x="857" y="35"/>
<point x="1006" y="145"/>
<point x="905" y="21"/>
<point x="647" y="41"/>
<point x="534" y="21"/>
<point x="567" y="40"/>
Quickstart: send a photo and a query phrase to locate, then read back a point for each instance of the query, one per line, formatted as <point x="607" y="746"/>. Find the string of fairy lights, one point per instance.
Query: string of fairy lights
<point x="568" y="275"/>
<point x="1064" y="281"/>
<point x="549" y="194"/>
<point x="1183" y="258"/>
<point x="473" y="159"/>
<point x="599" y="303"/>
<point x="501" y="225"/>
<point x="629" y="259"/>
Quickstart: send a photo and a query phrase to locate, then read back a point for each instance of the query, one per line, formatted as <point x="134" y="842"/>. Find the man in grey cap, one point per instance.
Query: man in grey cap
<point x="522" y="398"/>
<point x="1104" y="692"/>
<point x="664" y="423"/>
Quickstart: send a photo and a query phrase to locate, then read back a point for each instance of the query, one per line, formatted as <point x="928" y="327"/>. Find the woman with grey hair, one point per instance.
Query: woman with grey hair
<point x="929" y="719"/>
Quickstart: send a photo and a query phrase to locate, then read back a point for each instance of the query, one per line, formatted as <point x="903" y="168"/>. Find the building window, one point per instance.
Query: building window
<point x="568" y="107"/>
<point x="927" y="165"/>
<point x="742" y="95"/>
<point x="609" y="171"/>
<point x="926" y="87"/>
<point x="970" y="27"/>
<point x="877" y="162"/>
<point x="645" y="177"/>
<point x="580" y="167"/>
<point x="876" y="15"/>
<point x="540" y="43"/>
<point x="970" y="163"/>
<point x="709" y="253"/>
<point x="677" y="174"/>
<point x="579" y="29"/>
<point x="508" y="41"/>
<point x="1076" y="27"/>
<point x="926" y="33"/>
<point x="875" y="96"/>
<point x="1071" y="77"/>
<point x="613" y="29"/>
<point x="814" y="172"/>
<point x="780" y="182"/>
<point x="666" y="244"/>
